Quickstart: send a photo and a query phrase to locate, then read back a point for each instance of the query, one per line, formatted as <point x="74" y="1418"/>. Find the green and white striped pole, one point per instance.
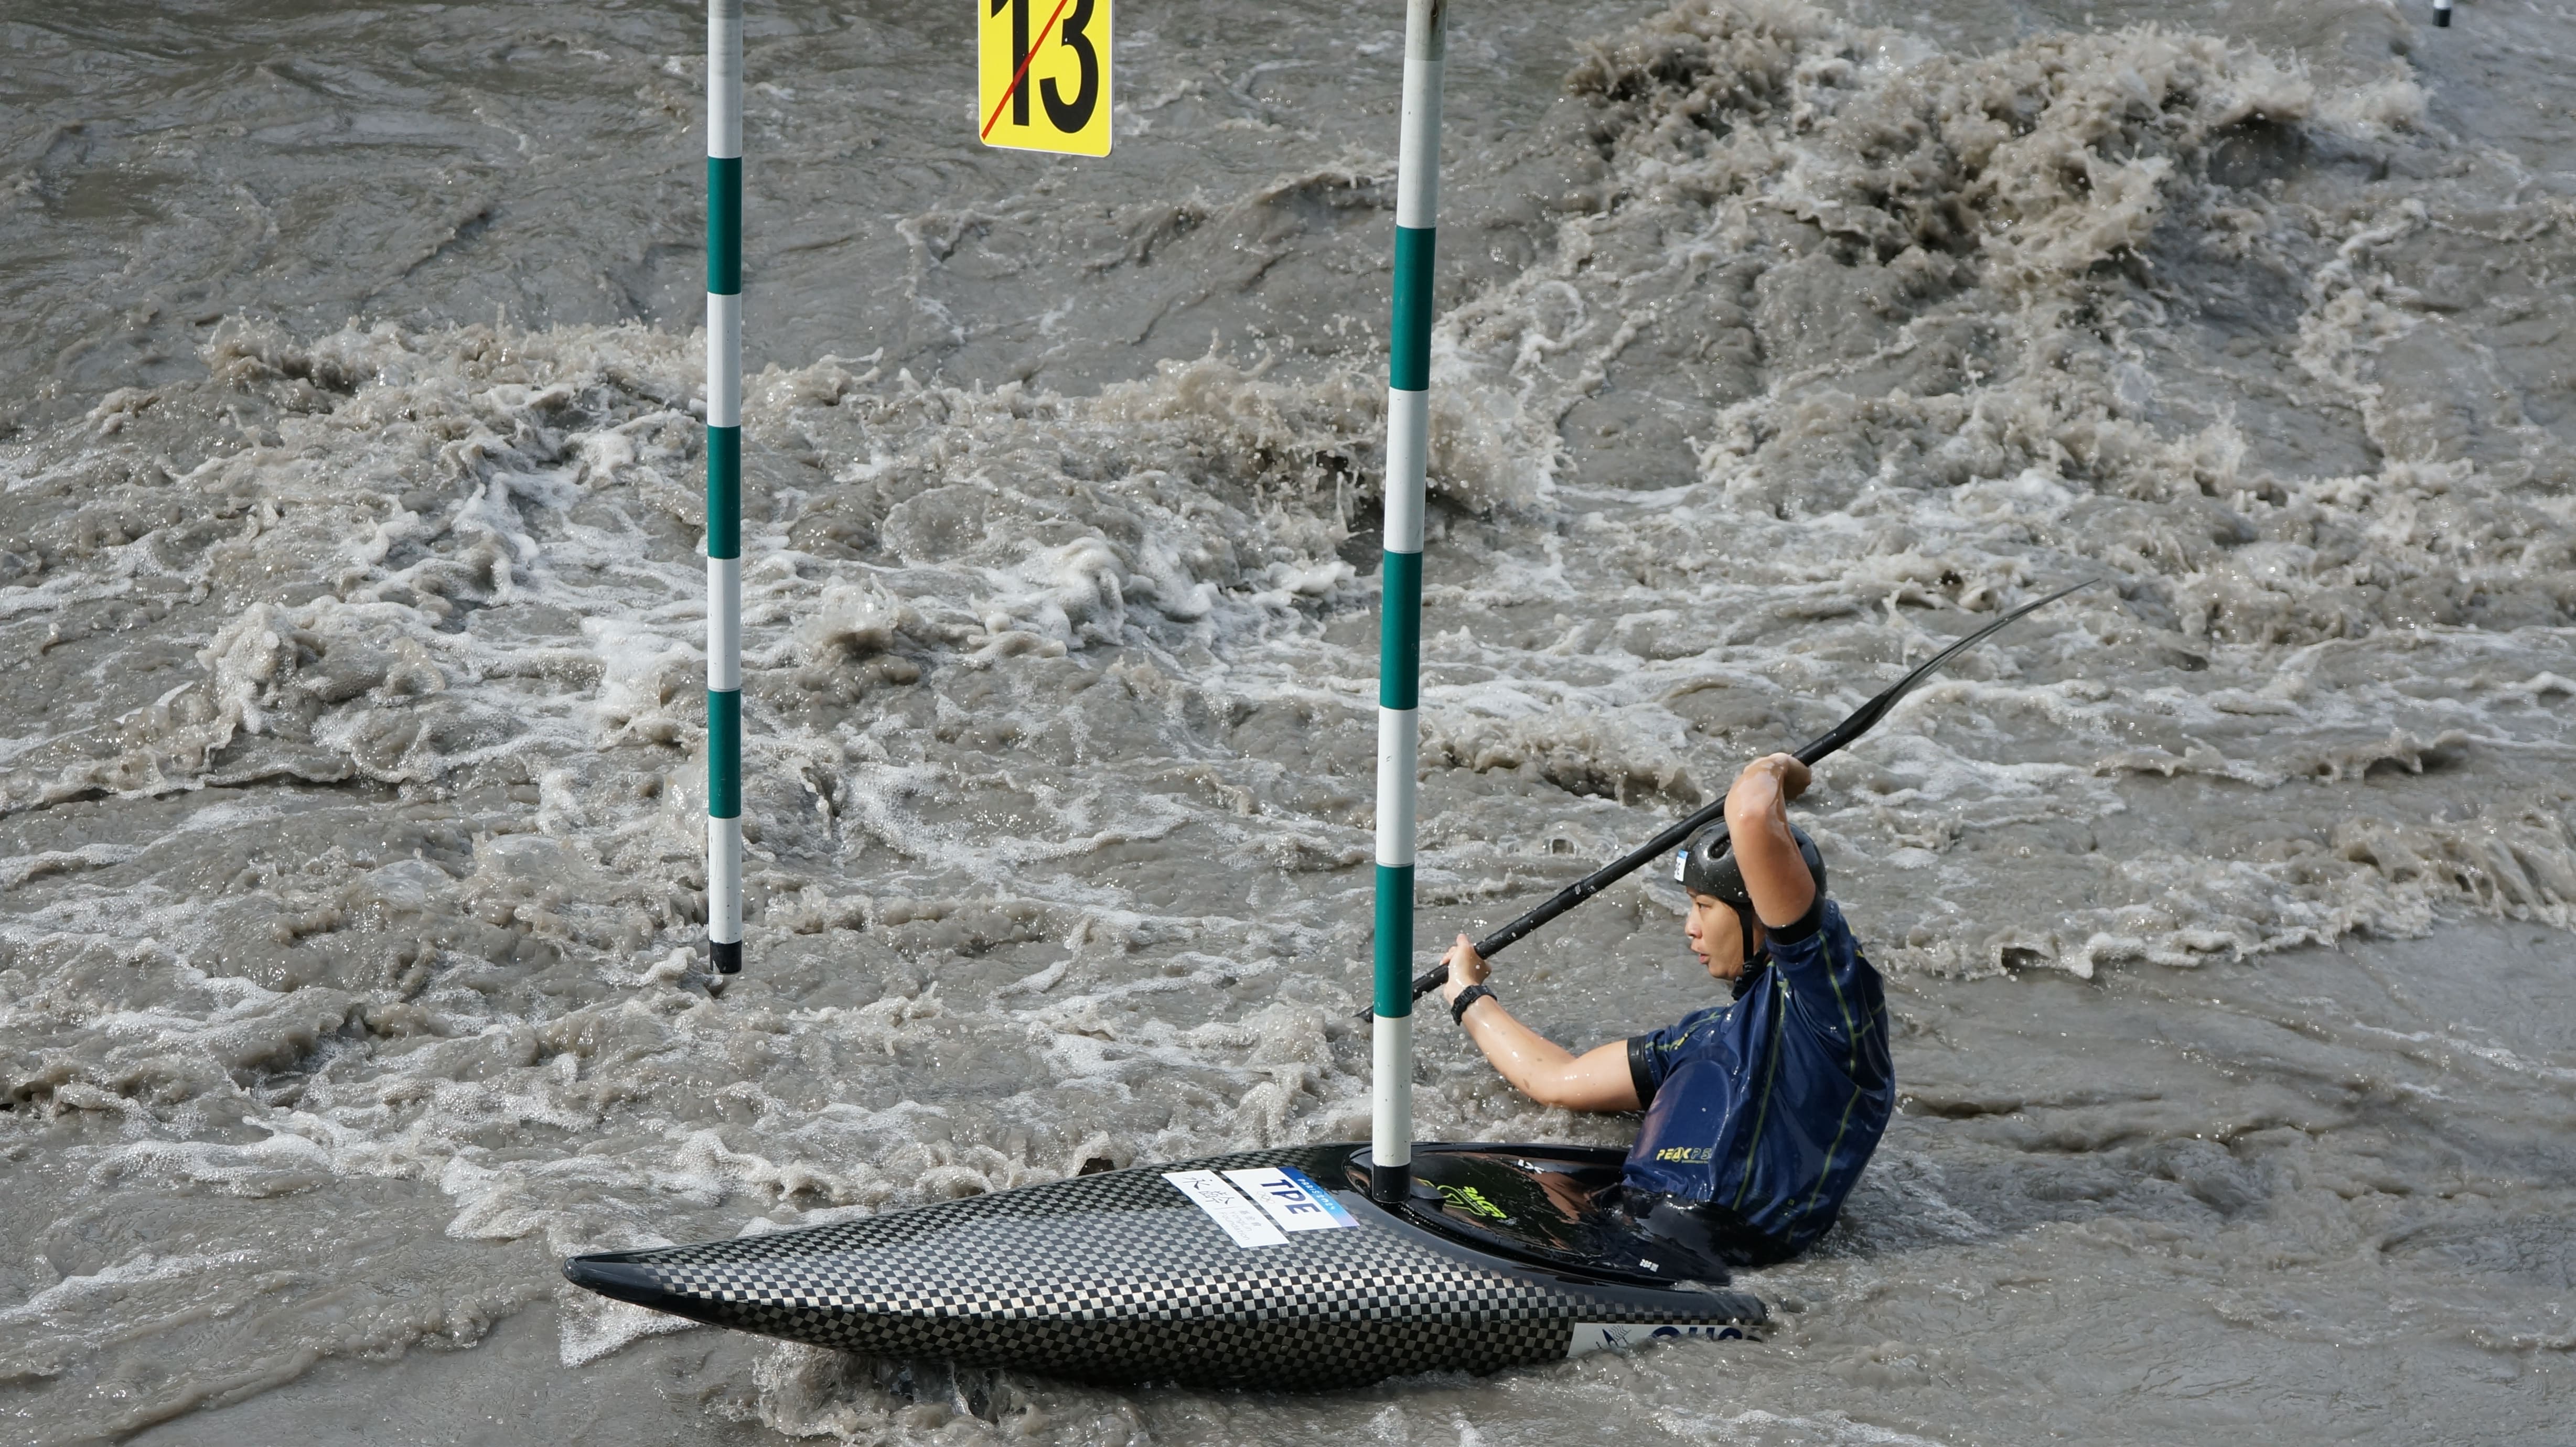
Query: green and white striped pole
<point x="1399" y="660"/>
<point x="724" y="486"/>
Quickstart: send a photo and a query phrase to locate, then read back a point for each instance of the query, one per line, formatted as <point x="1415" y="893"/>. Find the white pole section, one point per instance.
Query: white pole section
<point x="724" y="486"/>
<point x="1399" y="662"/>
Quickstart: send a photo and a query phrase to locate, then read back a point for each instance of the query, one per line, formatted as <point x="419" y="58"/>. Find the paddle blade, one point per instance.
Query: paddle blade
<point x="1866" y="717"/>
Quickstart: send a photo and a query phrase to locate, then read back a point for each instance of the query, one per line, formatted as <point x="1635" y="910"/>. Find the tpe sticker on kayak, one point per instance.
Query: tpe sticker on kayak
<point x="1225" y="1206"/>
<point x="1292" y="1199"/>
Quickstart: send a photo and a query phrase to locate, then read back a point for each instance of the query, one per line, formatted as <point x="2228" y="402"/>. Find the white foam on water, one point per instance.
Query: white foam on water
<point x="366" y="873"/>
<point x="76" y="1292"/>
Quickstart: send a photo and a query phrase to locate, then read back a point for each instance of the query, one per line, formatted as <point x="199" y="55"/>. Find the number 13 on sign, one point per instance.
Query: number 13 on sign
<point x="1045" y="70"/>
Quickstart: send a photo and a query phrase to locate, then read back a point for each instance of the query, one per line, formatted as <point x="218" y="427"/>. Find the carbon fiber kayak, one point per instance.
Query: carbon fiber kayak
<point x="1268" y="1270"/>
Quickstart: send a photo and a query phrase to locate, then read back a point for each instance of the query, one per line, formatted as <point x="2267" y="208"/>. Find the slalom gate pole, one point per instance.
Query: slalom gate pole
<point x="1399" y="664"/>
<point x="2441" y="14"/>
<point x="724" y="486"/>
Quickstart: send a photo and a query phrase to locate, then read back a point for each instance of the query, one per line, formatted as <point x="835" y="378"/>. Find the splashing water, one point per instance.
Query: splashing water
<point x="350" y="810"/>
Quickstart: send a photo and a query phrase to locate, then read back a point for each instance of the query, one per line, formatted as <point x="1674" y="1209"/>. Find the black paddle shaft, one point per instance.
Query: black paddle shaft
<point x="1862" y="720"/>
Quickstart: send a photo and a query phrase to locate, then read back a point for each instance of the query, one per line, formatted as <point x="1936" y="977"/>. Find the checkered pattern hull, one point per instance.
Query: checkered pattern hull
<point x="1119" y="1279"/>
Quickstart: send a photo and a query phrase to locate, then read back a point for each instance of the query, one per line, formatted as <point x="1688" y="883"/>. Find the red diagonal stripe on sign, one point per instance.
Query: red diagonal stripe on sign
<point x="1023" y="73"/>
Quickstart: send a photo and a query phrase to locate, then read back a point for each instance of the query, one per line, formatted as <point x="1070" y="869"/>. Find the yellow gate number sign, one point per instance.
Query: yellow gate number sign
<point x="1046" y="75"/>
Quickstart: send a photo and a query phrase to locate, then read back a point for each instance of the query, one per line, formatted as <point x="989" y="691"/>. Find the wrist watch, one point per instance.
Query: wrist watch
<point x="1467" y="997"/>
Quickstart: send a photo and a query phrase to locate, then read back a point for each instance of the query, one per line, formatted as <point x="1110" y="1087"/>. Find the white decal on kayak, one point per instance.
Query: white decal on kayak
<point x="1292" y="1198"/>
<point x="1225" y="1206"/>
<point x="1594" y="1336"/>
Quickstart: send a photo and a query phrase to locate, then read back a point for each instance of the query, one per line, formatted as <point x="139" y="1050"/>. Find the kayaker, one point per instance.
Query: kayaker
<point x="1760" y="1112"/>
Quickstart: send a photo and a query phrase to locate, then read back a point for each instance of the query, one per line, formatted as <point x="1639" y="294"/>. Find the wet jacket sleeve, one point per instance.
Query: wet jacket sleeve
<point x="1651" y="1055"/>
<point x="1643" y="1070"/>
<point x="1807" y="927"/>
<point x="1819" y="959"/>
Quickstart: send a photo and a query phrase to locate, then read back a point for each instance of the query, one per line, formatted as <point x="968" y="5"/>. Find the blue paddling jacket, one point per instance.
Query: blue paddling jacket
<point x="1767" y="1107"/>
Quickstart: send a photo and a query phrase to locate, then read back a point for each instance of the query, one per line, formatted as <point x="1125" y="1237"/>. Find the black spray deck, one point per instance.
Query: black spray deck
<point x="1266" y="1270"/>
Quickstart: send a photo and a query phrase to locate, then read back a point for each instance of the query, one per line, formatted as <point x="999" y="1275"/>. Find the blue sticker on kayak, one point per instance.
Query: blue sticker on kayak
<point x="1292" y="1199"/>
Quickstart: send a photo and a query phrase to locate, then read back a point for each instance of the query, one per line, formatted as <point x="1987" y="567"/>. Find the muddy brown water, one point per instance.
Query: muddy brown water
<point x="350" y="614"/>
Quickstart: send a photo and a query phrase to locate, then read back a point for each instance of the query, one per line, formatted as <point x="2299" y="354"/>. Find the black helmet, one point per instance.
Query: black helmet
<point x="1707" y="865"/>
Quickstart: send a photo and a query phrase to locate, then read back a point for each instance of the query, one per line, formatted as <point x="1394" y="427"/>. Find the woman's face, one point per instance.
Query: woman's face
<point x="1715" y="936"/>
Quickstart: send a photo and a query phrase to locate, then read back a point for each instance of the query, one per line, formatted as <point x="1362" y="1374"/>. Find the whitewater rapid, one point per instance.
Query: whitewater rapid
<point x="351" y="759"/>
